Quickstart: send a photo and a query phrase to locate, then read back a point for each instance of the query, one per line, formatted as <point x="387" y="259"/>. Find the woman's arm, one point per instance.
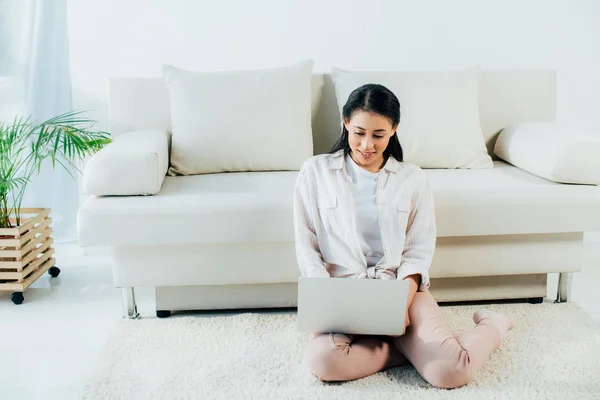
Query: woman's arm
<point x="414" y="283"/>
<point x="419" y="244"/>
<point x="308" y="253"/>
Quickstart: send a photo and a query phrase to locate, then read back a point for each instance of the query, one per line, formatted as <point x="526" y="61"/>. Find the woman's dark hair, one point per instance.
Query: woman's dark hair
<point x="375" y="99"/>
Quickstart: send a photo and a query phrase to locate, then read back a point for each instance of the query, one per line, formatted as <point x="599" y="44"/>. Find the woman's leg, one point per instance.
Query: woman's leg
<point x="443" y="359"/>
<point x="339" y="357"/>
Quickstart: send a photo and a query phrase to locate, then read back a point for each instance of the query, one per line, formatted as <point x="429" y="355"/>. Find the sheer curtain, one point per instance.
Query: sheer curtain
<point x="34" y="80"/>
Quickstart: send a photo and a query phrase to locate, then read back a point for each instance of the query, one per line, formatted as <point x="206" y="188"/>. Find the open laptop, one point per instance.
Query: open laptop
<point x="347" y="305"/>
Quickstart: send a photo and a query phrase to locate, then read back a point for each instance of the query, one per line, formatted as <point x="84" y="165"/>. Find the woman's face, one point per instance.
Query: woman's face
<point x="368" y="137"/>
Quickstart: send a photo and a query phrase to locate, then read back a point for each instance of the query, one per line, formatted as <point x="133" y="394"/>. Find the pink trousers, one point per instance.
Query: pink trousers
<point x="443" y="359"/>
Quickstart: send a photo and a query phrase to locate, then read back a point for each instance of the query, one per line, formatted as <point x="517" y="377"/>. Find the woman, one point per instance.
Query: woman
<point x="361" y="212"/>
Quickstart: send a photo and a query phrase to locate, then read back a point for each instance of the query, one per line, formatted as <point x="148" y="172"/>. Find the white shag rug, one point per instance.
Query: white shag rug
<point x="552" y="353"/>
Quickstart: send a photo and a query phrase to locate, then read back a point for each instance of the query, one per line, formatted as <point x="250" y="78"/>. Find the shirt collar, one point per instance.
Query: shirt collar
<point x="337" y="161"/>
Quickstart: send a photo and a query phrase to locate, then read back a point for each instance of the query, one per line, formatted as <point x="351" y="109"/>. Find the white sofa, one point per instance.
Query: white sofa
<point x="226" y="240"/>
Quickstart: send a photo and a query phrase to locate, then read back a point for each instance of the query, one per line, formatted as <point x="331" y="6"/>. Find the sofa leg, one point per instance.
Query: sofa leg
<point x="129" y="305"/>
<point x="163" y="313"/>
<point x="564" y="287"/>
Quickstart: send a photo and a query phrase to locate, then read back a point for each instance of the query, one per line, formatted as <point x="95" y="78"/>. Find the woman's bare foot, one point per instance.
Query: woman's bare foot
<point x="501" y="321"/>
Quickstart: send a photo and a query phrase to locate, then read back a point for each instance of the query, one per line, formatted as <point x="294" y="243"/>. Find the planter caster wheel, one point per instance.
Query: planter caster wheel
<point x="536" y="300"/>
<point x="163" y="313"/>
<point x="54" y="272"/>
<point x="17" y="297"/>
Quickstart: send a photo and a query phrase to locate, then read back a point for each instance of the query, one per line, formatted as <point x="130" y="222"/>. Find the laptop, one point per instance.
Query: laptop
<point x="348" y="305"/>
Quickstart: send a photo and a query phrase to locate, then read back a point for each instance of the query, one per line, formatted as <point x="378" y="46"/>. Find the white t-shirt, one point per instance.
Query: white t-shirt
<point x="364" y="191"/>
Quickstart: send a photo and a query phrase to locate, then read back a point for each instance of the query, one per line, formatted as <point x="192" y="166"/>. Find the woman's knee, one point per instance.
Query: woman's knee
<point x="325" y="359"/>
<point x="448" y="376"/>
<point x="322" y="366"/>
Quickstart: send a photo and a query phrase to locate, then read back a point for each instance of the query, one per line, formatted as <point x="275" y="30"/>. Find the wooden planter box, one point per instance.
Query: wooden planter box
<point x="26" y="252"/>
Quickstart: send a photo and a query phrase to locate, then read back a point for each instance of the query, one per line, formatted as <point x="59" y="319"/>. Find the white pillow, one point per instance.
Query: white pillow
<point x="135" y="163"/>
<point x="439" y="114"/>
<point x="553" y="151"/>
<point x="240" y="121"/>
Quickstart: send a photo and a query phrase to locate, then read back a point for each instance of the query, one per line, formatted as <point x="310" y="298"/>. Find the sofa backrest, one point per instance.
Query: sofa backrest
<point x="505" y="97"/>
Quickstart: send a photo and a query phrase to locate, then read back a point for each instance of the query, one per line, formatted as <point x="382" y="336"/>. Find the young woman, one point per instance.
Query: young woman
<point x="361" y="212"/>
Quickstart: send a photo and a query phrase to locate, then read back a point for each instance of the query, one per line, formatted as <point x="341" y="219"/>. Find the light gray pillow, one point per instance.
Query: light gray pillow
<point x="240" y="121"/>
<point x="439" y="126"/>
<point x="557" y="152"/>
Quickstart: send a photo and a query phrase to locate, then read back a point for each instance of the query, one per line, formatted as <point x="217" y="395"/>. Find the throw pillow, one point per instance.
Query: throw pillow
<point x="439" y="122"/>
<point x="256" y="120"/>
<point x="557" y="152"/>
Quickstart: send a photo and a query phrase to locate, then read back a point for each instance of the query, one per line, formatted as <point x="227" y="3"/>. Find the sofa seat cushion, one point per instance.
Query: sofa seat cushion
<point x="508" y="200"/>
<point x="257" y="207"/>
<point x="213" y="208"/>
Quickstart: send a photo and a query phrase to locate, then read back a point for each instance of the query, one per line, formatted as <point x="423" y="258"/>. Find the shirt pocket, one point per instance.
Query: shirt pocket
<point x="403" y="207"/>
<point x="329" y="212"/>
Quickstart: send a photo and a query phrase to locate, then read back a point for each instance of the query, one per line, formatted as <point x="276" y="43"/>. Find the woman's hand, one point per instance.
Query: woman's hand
<point x="406" y="321"/>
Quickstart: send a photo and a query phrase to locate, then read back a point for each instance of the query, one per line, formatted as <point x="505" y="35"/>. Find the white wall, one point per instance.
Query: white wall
<point x="110" y="38"/>
<point x="133" y="38"/>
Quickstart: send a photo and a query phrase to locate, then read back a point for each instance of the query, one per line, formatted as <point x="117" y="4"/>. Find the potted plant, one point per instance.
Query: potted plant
<point x="25" y="233"/>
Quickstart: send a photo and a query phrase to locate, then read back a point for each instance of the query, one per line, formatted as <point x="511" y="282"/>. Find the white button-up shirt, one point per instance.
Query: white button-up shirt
<point x="327" y="243"/>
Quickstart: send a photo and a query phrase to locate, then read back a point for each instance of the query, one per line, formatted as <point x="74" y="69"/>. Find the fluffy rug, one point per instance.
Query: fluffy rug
<point x="552" y="353"/>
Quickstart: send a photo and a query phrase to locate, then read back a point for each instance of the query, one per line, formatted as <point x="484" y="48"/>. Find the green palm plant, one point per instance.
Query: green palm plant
<point x="25" y="144"/>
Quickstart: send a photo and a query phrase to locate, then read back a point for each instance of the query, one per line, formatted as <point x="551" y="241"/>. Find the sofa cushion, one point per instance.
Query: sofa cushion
<point x="135" y="163"/>
<point x="439" y="124"/>
<point x="508" y="200"/>
<point x="558" y="152"/>
<point x="213" y="208"/>
<point x="256" y="120"/>
<point x="257" y="207"/>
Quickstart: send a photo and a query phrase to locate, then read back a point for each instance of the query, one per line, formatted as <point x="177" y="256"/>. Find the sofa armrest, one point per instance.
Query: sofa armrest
<point x="558" y="152"/>
<point x="135" y="163"/>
